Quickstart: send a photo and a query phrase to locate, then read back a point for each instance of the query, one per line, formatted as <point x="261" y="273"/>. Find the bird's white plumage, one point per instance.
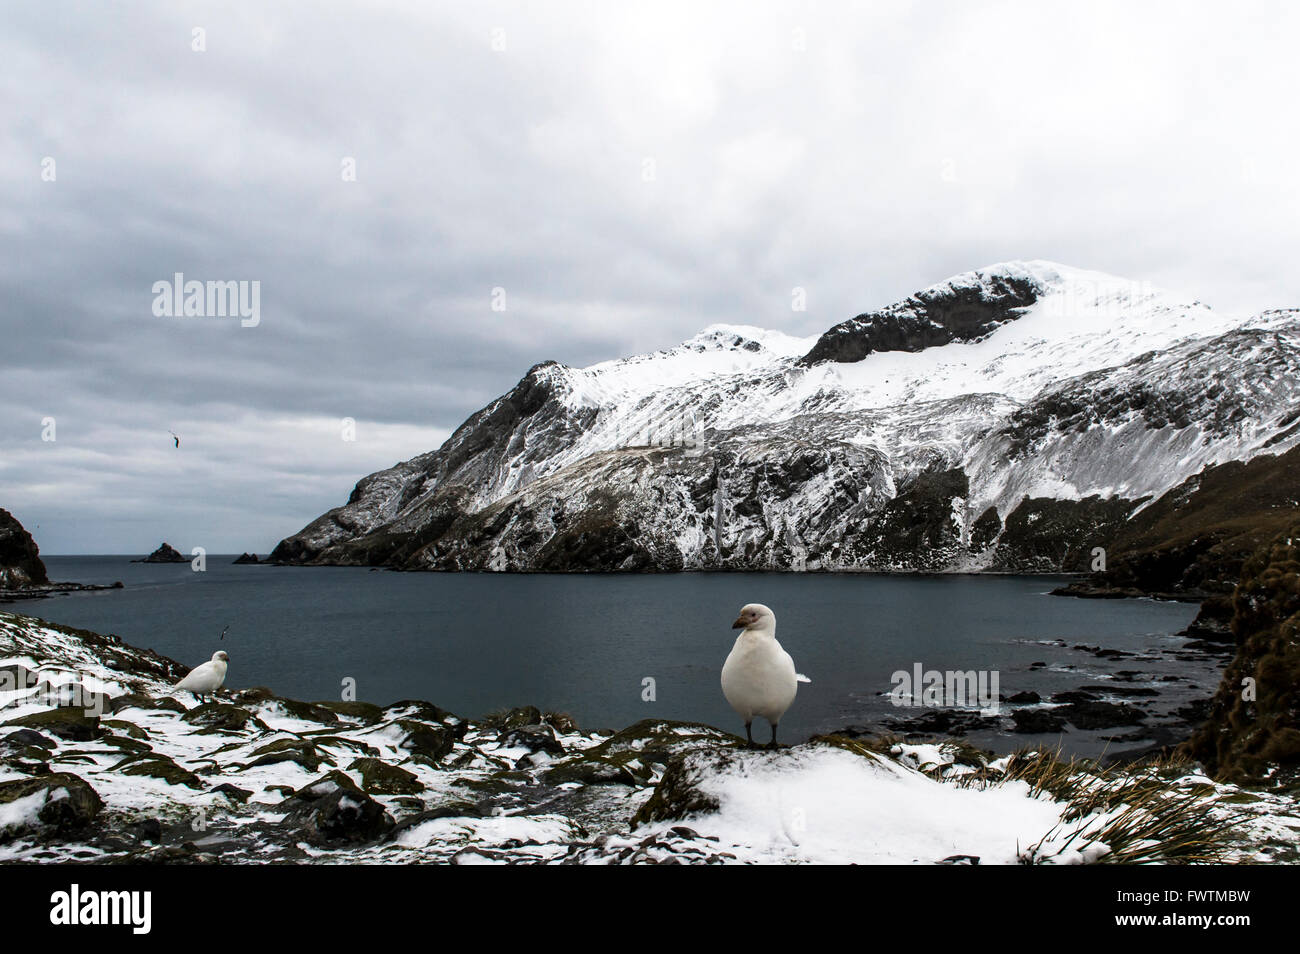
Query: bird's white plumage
<point x="759" y="677"/>
<point x="207" y="677"/>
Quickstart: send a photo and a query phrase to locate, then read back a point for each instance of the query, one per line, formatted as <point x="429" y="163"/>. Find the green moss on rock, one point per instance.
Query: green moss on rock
<point x="380" y="778"/>
<point x="68" y="723"/>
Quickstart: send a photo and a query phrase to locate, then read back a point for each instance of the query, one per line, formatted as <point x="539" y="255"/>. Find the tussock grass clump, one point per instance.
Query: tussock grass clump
<point x="1153" y="813"/>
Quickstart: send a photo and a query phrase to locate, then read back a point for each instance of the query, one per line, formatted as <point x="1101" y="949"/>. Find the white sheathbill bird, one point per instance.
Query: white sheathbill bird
<point x="759" y="678"/>
<point x="206" y="678"/>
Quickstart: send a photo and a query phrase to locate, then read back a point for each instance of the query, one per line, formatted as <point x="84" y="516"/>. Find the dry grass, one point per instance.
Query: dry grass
<point x="1137" y="812"/>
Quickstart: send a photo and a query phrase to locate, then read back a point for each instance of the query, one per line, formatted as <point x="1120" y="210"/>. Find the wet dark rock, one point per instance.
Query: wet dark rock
<point x="121" y="727"/>
<point x="1131" y="692"/>
<point x="954" y="722"/>
<point x="1037" y="721"/>
<point x="1075" y="695"/>
<point x="561" y="722"/>
<point x="245" y="558"/>
<point x="1100" y="715"/>
<point x="1028" y="697"/>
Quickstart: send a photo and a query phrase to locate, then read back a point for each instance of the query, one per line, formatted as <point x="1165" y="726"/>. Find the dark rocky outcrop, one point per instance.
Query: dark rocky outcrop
<point x="70" y="723"/>
<point x="915" y="530"/>
<point x="245" y="558"/>
<point x="164" y="554"/>
<point x="20" y="560"/>
<point x="929" y="318"/>
<point x="1043" y="535"/>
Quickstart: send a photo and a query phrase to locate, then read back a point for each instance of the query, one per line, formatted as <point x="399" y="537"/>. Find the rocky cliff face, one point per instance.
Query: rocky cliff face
<point x="954" y="311"/>
<point x="20" y="560"/>
<point x="1012" y="418"/>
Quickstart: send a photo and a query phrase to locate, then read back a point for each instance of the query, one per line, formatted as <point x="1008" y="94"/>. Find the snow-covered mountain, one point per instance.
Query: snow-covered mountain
<point x="1008" y="418"/>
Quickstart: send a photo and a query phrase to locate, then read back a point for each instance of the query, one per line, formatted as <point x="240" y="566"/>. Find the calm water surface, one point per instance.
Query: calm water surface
<point x="584" y="644"/>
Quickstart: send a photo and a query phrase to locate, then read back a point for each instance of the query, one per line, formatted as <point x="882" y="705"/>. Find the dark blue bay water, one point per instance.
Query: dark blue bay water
<point x="477" y="642"/>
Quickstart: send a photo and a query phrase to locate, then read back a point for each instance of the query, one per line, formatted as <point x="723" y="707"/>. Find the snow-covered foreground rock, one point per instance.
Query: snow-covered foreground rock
<point x="932" y="434"/>
<point x="101" y="760"/>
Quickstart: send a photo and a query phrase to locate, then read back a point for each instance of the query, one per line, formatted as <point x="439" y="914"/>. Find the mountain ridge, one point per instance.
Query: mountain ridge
<point x="742" y="448"/>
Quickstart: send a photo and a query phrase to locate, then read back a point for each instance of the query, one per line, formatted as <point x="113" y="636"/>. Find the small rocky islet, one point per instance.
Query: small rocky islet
<point x="166" y="553"/>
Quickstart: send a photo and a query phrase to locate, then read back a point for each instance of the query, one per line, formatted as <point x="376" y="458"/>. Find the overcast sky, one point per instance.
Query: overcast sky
<point x="627" y="173"/>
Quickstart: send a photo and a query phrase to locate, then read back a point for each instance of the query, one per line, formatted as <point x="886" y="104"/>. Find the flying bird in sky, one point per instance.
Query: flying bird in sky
<point x="175" y="438"/>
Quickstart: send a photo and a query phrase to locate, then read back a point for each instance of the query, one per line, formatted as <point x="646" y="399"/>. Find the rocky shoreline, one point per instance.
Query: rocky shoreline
<point x="45" y="590"/>
<point x="101" y="761"/>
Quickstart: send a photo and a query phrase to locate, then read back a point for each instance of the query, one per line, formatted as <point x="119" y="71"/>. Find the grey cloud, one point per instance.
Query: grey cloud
<point x="1140" y="141"/>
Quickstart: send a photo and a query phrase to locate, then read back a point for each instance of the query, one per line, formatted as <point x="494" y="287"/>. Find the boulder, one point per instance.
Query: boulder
<point x="222" y="717"/>
<point x="139" y="700"/>
<point x="289" y="750"/>
<point x="161" y="767"/>
<point x="232" y="792"/>
<point x="1037" y="721"/>
<point x="434" y="742"/>
<point x="332" y="811"/>
<point x="1100" y="715"/>
<point x="67" y="722"/>
<point x="535" y="738"/>
<point x="380" y="778"/>
<point x="61" y="802"/>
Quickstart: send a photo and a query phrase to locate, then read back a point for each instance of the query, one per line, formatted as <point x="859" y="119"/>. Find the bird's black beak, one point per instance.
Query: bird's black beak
<point x="738" y="624"/>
